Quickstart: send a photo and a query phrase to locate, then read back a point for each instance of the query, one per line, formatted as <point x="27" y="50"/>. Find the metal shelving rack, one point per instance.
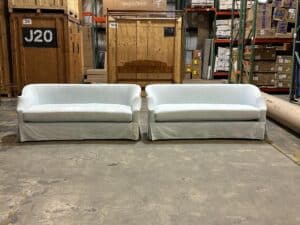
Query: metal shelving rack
<point x="222" y="14"/>
<point x="295" y="84"/>
<point x="251" y="40"/>
<point x="239" y="41"/>
<point x="200" y="10"/>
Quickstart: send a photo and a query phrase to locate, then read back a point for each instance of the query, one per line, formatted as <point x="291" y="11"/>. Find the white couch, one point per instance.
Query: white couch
<point x="203" y="111"/>
<point x="79" y="111"/>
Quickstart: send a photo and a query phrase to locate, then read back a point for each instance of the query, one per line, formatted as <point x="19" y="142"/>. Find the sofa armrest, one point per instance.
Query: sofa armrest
<point x="135" y="99"/>
<point x="23" y="103"/>
<point x="261" y="105"/>
<point x="136" y="103"/>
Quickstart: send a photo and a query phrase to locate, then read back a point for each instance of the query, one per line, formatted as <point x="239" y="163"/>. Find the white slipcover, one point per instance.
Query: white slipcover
<point x="190" y="111"/>
<point x="79" y="111"/>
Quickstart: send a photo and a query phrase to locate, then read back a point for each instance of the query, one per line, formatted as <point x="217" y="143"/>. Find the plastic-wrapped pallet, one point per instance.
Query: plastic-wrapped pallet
<point x="227" y="4"/>
<point x="222" y="59"/>
<point x="199" y="3"/>
<point x="224" y="28"/>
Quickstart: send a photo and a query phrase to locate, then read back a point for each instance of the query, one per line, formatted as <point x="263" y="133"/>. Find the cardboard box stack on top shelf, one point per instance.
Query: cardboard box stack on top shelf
<point x="273" y="19"/>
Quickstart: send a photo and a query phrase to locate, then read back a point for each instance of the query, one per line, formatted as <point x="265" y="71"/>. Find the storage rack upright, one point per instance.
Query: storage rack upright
<point x="295" y="85"/>
<point x="224" y="42"/>
<point x="211" y="11"/>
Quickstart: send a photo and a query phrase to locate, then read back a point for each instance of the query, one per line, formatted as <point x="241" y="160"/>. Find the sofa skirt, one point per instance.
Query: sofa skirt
<point x="207" y="130"/>
<point x="78" y="131"/>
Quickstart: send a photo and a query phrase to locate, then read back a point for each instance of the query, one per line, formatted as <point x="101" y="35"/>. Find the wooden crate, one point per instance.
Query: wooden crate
<point x="70" y="7"/>
<point x="152" y="5"/>
<point x="88" y="50"/>
<point x="4" y="54"/>
<point x="46" y="48"/>
<point x="144" y="50"/>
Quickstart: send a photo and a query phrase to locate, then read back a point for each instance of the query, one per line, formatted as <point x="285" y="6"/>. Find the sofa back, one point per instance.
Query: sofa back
<point x="81" y="93"/>
<point x="203" y="93"/>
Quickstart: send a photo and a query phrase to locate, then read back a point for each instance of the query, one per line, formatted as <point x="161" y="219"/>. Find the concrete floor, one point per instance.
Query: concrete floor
<point x="142" y="183"/>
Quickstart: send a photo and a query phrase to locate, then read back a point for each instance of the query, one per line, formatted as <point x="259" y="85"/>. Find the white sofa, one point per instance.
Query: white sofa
<point x="79" y="112"/>
<point x="204" y="111"/>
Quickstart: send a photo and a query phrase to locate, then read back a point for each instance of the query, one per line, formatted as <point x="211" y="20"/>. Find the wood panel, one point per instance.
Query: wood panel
<point x="70" y="7"/>
<point x="178" y="49"/>
<point x="112" y="50"/>
<point x="140" y="50"/>
<point x="4" y="57"/>
<point x="59" y="64"/>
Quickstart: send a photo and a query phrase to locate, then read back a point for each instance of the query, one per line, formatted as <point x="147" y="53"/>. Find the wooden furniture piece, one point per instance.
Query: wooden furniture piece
<point x="144" y="47"/>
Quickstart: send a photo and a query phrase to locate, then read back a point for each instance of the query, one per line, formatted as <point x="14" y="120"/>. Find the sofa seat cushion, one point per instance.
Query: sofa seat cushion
<point x="205" y="112"/>
<point x="78" y="113"/>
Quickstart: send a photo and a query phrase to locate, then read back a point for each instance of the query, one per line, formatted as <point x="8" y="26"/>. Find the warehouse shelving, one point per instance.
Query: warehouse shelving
<point x="224" y="42"/>
<point x="236" y="74"/>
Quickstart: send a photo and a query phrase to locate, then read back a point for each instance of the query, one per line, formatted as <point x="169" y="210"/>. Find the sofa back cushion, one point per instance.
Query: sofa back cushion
<point x="81" y="93"/>
<point x="203" y="93"/>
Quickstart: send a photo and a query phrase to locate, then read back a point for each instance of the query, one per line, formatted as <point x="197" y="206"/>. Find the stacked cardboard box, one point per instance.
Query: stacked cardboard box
<point x="194" y="70"/>
<point x="222" y="59"/>
<point x="272" y="20"/>
<point x="269" y="69"/>
<point x="202" y="3"/>
<point x="197" y="64"/>
<point x="227" y="4"/>
<point x="224" y="28"/>
<point x="283" y="71"/>
<point x="264" y="68"/>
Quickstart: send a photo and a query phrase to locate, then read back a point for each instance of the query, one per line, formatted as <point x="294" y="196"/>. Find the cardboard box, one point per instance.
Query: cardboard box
<point x="263" y="16"/>
<point x="284" y="59"/>
<point x="280" y="14"/>
<point x="264" y="79"/>
<point x="152" y="5"/>
<point x="187" y="76"/>
<point x="287" y="68"/>
<point x="283" y="76"/>
<point x="197" y="54"/>
<point x="264" y="66"/>
<point x="283" y="84"/>
<point x="282" y="26"/>
<point x="188" y="68"/>
<point x="291" y="15"/>
<point x="196" y="74"/>
<point x="277" y="3"/>
<point x="261" y="53"/>
<point x="288" y="3"/>
<point x="197" y="71"/>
